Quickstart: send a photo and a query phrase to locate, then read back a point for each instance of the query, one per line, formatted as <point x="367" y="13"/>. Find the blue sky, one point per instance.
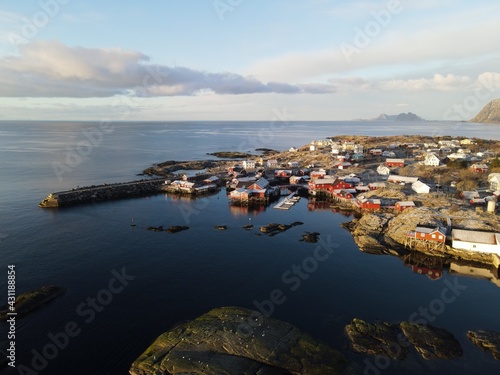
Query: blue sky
<point x="244" y="59"/>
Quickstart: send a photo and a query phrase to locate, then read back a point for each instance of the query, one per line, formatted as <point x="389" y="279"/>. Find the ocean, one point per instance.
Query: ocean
<point x="167" y="279"/>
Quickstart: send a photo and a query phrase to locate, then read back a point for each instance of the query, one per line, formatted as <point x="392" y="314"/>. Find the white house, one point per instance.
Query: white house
<point x="420" y="188"/>
<point x="431" y="160"/>
<point x="249" y="164"/>
<point x="293" y="164"/>
<point x="292" y="149"/>
<point x="482" y="242"/>
<point x="272" y="163"/>
<point x="312" y="148"/>
<point x="396" y="179"/>
<point x="458" y="155"/>
<point x="383" y="170"/>
<point x="358" y="149"/>
<point x="494" y="181"/>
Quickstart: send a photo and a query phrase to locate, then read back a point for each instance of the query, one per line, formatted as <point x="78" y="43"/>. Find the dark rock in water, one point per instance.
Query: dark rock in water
<point x="311" y="237"/>
<point x="156" y="229"/>
<point x="32" y="300"/>
<point x="221" y="227"/>
<point x="431" y="342"/>
<point x="273" y="228"/>
<point x="176" y="228"/>
<point x="229" y="340"/>
<point x="295" y="223"/>
<point x="486" y="341"/>
<point x="248" y="226"/>
<point x="377" y="339"/>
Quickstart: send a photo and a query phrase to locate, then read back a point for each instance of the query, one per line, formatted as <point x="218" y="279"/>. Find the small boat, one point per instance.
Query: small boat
<point x="132" y="224"/>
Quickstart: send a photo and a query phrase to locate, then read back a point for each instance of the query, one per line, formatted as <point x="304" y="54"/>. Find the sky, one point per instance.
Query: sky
<point x="173" y="60"/>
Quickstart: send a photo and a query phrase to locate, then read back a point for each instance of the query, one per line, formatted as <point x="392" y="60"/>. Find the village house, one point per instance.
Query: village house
<point x="436" y="234"/>
<point x="376" y="185"/>
<point x="389" y="154"/>
<point x="249" y="164"/>
<point x="312" y="148"/>
<point x="183" y="186"/>
<point x="344" y="165"/>
<point x="318" y="174"/>
<point x="420" y="188"/>
<point x="292" y="149"/>
<point x="362" y="188"/>
<point x="342" y="194"/>
<point x="357" y="157"/>
<point x="237" y="170"/>
<point x="431" y="160"/>
<point x="321" y="183"/>
<point x="375" y="152"/>
<point x="403" y="205"/>
<point x="383" y="170"/>
<point x="398" y="179"/>
<point x="494" y="181"/>
<point x="394" y="163"/>
<point x="272" y="163"/>
<point x="482" y="242"/>
<point x="467" y="141"/>
<point x="293" y="164"/>
<point x="368" y="204"/>
<point x="479" y="168"/>
<point x="457" y="155"/>
<point x="259" y="188"/>
<point x="282" y="173"/>
<point x="358" y="149"/>
<point x="348" y="146"/>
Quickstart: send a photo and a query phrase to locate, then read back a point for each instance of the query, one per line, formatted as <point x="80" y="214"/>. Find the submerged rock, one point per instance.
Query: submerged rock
<point x="229" y="340"/>
<point x="248" y="226"/>
<point x="220" y="227"/>
<point x="377" y="339"/>
<point x="486" y="341"/>
<point x="394" y="341"/>
<point x="431" y="342"/>
<point x="32" y="300"/>
<point x="273" y="228"/>
<point x="311" y="237"/>
<point x="156" y="229"/>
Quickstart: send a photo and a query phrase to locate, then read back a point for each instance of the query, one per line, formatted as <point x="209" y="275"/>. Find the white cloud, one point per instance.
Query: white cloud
<point x="52" y="69"/>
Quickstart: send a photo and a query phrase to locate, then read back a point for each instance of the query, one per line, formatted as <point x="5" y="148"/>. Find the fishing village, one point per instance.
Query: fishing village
<point x="436" y="196"/>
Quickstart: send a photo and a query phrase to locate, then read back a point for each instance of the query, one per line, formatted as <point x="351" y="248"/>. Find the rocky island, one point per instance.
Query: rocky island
<point x="32" y="300"/>
<point x="234" y="340"/>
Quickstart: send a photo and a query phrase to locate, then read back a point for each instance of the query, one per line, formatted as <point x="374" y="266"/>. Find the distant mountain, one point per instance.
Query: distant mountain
<point x="490" y="112"/>
<point x="401" y="117"/>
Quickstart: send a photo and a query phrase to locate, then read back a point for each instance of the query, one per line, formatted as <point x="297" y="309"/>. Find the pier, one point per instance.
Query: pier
<point x="287" y="203"/>
<point x="105" y="192"/>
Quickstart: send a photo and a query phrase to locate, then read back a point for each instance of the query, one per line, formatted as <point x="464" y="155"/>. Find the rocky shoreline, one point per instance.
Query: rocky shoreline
<point x="385" y="232"/>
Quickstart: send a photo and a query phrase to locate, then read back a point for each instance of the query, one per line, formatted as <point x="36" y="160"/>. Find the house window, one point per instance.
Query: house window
<point x="433" y="236"/>
<point x="422" y="234"/>
<point x="440" y="237"/>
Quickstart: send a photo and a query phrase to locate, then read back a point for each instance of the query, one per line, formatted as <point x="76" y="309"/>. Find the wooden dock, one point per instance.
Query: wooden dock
<point x="287" y="203"/>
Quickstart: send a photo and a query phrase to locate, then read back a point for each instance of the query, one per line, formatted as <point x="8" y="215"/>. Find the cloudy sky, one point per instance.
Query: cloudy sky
<point x="244" y="59"/>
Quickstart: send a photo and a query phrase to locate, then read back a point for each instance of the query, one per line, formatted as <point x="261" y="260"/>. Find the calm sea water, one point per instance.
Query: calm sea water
<point x="181" y="276"/>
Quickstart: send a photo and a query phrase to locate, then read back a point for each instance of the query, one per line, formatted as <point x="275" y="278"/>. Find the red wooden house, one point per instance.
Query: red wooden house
<point x="436" y="234"/>
<point x="369" y="204"/>
<point x="479" y="168"/>
<point x="394" y="163"/>
<point x="321" y="184"/>
<point x="403" y="205"/>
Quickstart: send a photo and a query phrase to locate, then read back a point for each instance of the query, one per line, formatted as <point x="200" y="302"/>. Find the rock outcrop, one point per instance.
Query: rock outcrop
<point x="394" y="340"/>
<point x="230" y="340"/>
<point x="489" y="113"/>
<point x="32" y="300"/>
<point x="486" y="341"/>
<point x="432" y="342"/>
<point x="385" y="233"/>
<point x="377" y="339"/>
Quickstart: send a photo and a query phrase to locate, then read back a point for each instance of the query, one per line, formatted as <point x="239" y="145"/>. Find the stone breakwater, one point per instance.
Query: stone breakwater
<point x="99" y="193"/>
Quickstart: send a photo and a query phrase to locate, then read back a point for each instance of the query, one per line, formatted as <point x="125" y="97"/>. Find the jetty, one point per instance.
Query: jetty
<point x="99" y="193"/>
<point x="288" y="202"/>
